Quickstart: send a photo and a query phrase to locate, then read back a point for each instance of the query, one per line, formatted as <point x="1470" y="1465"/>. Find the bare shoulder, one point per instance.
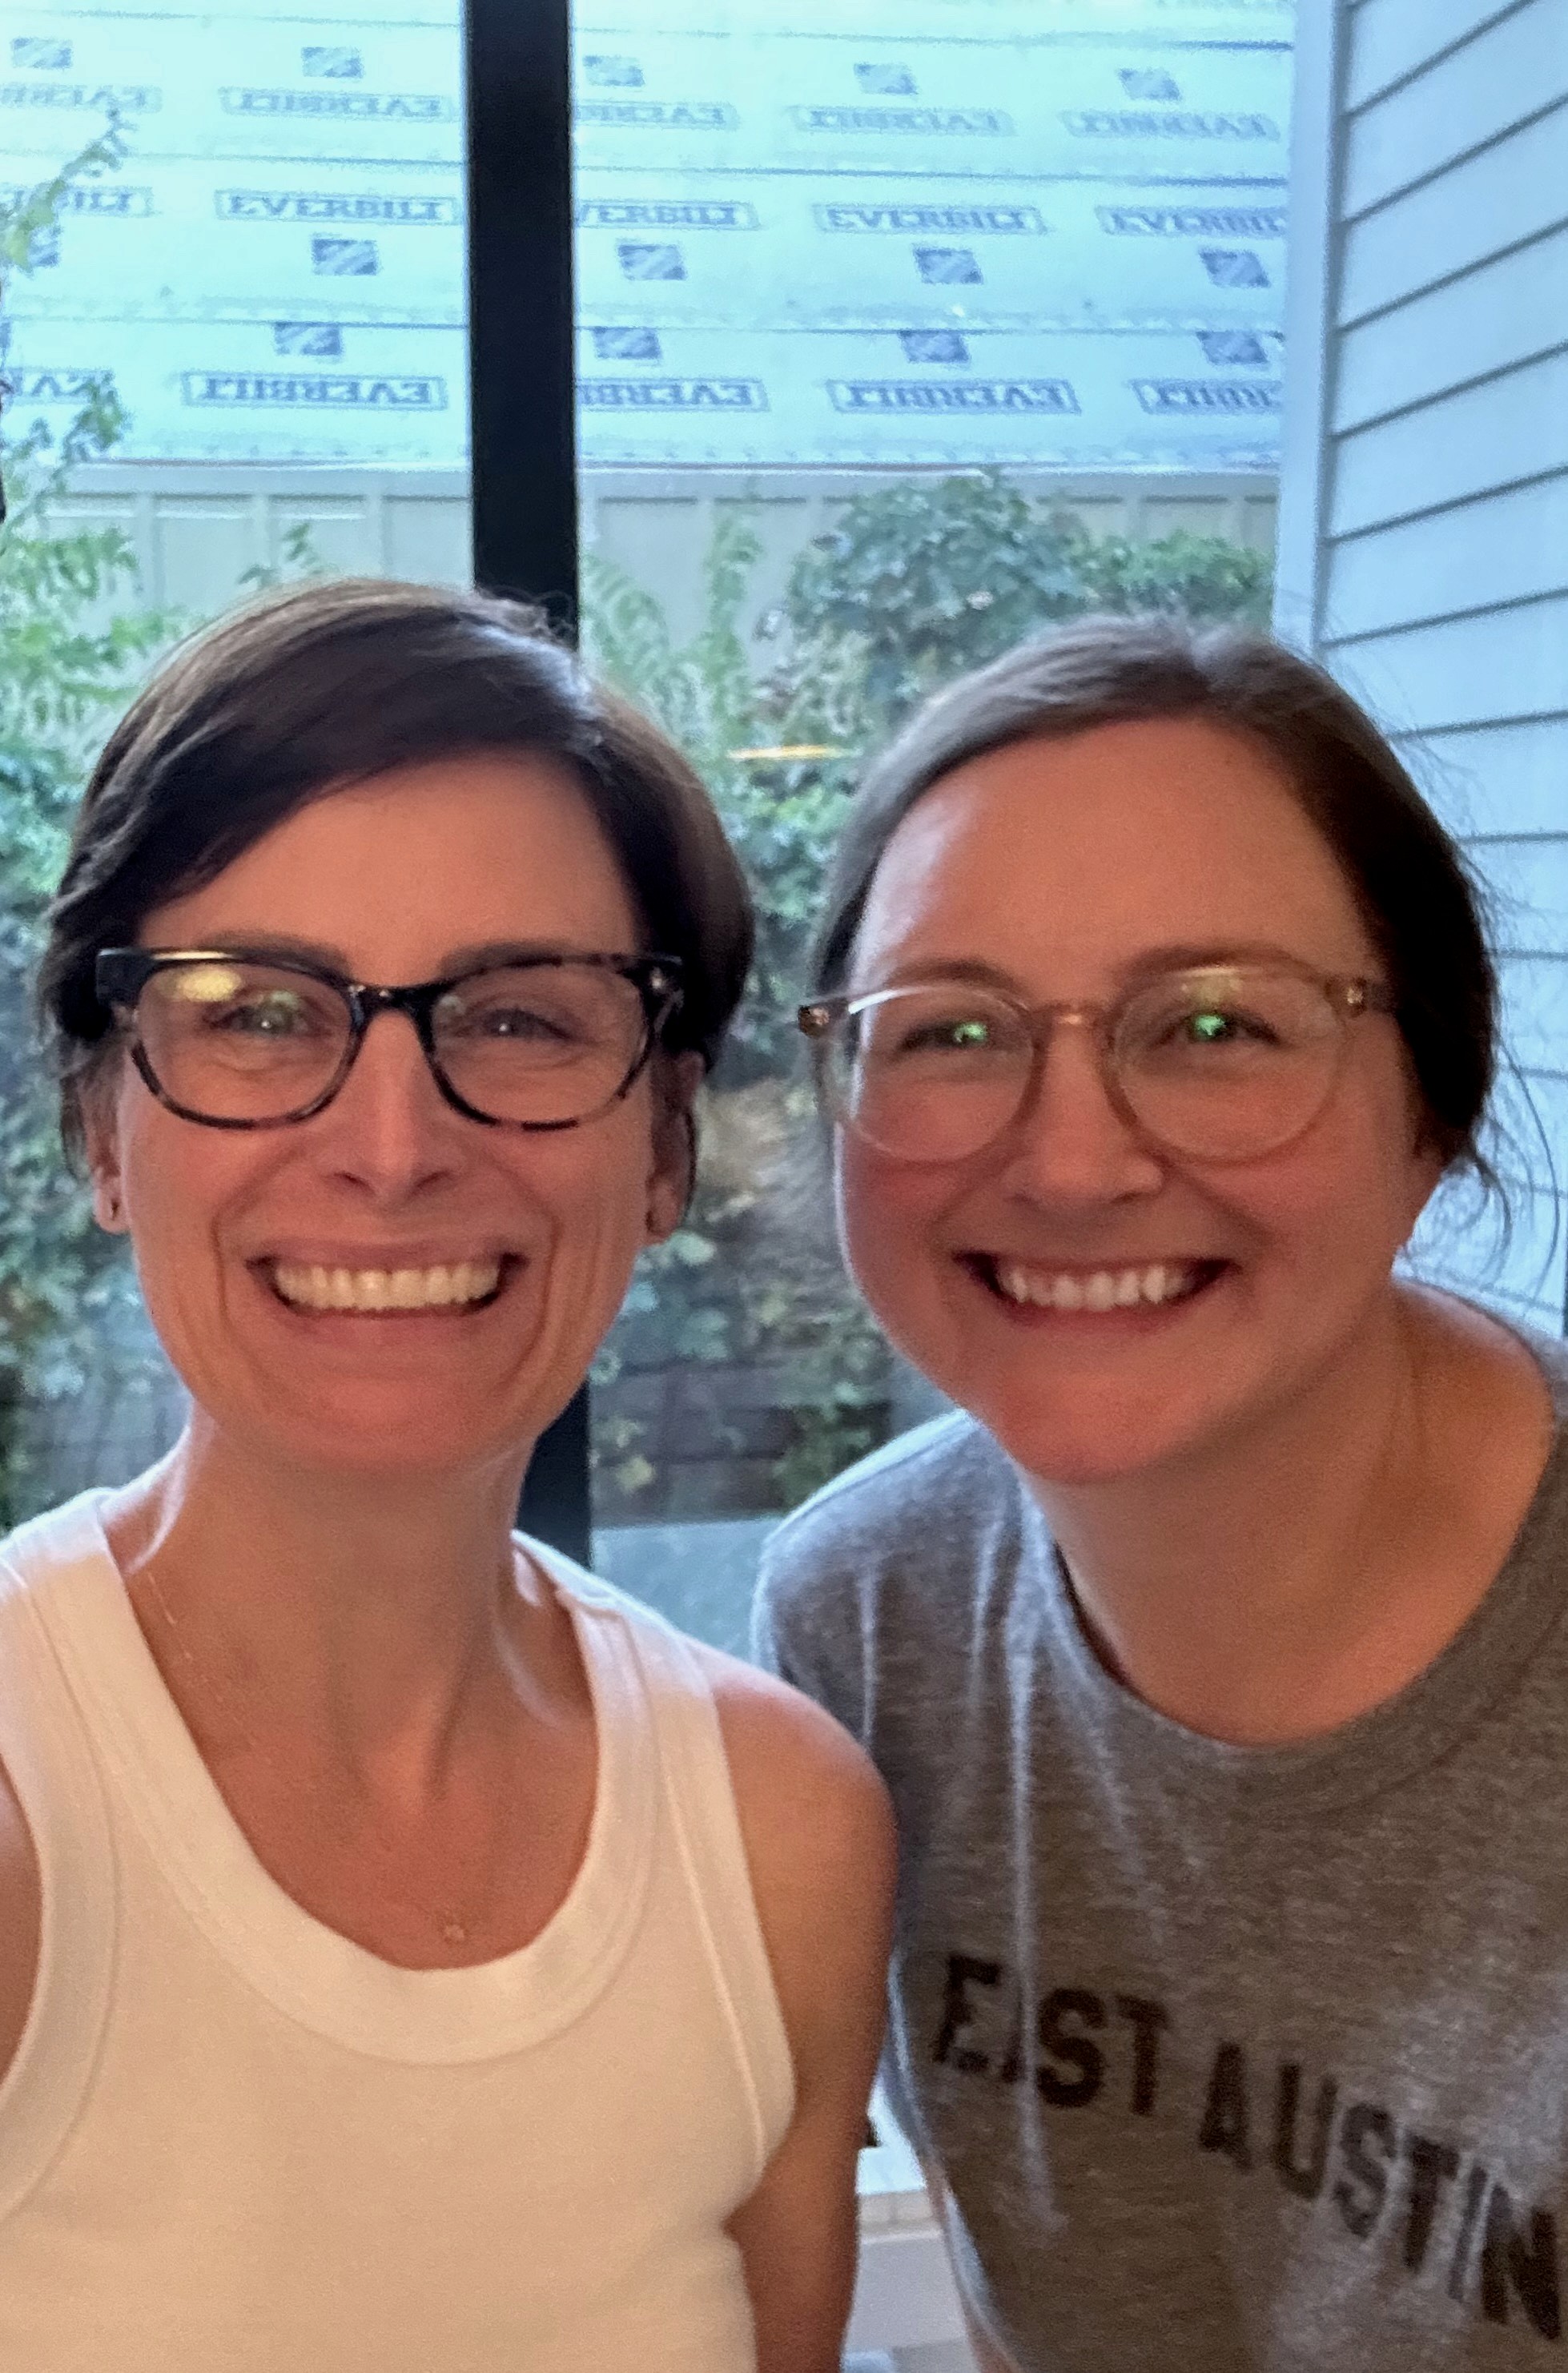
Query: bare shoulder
<point x="791" y="1763"/>
<point x="21" y="1905"/>
<point x="819" y="1836"/>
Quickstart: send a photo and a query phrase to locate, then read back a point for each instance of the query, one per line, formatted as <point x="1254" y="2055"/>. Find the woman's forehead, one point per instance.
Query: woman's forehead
<point x="1104" y="842"/>
<point x="470" y="849"/>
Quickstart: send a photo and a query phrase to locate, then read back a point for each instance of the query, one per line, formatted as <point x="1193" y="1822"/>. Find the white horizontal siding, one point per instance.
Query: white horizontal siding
<point x="1508" y="547"/>
<point x="1502" y="313"/>
<point x="1535" y="1012"/>
<point x="1473" y="95"/>
<point x="1463" y="671"/>
<point x="1527" y="886"/>
<point x="1496" y="778"/>
<point x="1392" y="39"/>
<point x="1525" y="1272"/>
<point x="1498" y="433"/>
<point x="1528" y="1148"/>
<point x="1518" y="1264"/>
<point x="1511" y="192"/>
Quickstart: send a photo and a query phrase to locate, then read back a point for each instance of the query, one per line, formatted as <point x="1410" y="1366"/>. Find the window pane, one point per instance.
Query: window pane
<point x="234" y="332"/>
<point x="902" y="330"/>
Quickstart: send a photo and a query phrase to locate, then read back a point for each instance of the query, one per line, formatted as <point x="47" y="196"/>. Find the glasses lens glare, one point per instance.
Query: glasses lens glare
<point x="241" y="1041"/>
<point x="1228" y="1063"/>
<point x="931" y="1073"/>
<point x="540" y="1043"/>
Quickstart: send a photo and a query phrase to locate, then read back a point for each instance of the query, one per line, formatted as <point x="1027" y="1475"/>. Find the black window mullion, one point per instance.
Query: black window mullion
<point x="524" y="441"/>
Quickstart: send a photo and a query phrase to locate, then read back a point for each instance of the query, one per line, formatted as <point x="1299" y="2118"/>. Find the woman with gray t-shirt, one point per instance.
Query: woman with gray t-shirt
<point x="1212" y="1650"/>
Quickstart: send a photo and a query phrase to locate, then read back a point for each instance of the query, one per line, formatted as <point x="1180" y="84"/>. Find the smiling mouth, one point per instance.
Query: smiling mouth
<point x="1148" y="1285"/>
<point x="455" y="1287"/>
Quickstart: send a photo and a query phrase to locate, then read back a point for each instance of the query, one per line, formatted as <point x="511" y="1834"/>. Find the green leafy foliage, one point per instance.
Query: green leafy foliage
<point x="740" y="1284"/>
<point x="924" y="579"/>
<point x="73" y="641"/>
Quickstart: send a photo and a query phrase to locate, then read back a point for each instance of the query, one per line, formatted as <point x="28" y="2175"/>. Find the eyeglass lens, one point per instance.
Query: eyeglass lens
<point x="541" y="1044"/>
<point x="1223" y="1064"/>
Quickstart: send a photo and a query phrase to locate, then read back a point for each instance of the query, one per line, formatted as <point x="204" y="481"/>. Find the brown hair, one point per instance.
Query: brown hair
<point x="1414" y="893"/>
<point x="319" y="687"/>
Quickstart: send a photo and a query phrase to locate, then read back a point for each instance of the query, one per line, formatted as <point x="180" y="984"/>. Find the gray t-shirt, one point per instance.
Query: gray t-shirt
<point x="1235" y="2059"/>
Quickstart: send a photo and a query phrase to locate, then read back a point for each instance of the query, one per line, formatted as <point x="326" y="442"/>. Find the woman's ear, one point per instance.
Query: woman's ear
<point x="672" y="1179"/>
<point x="101" y="1142"/>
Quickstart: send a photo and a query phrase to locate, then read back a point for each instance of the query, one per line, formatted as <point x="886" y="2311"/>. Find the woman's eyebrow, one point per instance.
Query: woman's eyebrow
<point x="1190" y="955"/>
<point x="1183" y="955"/>
<point x="282" y="945"/>
<point x="492" y="951"/>
<point x="285" y="946"/>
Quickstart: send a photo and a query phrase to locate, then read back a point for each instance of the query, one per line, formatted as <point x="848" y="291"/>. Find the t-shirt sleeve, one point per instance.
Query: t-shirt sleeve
<point x="806" y="1623"/>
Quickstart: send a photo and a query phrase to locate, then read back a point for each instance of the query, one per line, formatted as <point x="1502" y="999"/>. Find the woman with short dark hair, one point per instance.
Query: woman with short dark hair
<point x="412" y="1953"/>
<point x="1212" y="1651"/>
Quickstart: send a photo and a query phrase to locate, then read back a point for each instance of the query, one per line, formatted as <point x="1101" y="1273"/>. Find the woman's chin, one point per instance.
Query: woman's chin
<point x="1097" y="1441"/>
<point x="380" y="1441"/>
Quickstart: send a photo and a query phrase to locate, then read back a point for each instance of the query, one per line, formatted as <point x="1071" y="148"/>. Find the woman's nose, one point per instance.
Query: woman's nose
<point x="1071" y="1141"/>
<point x="390" y="1126"/>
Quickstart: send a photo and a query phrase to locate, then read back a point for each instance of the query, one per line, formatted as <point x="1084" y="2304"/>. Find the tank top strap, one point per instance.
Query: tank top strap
<point x="699" y="1792"/>
<point x="47" y="1755"/>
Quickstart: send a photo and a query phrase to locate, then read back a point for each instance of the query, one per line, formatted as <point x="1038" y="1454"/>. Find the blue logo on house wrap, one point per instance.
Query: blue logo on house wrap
<point x="659" y="114"/>
<point x="986" y="395"/>
<point x="362" y="392"/>
<point x="672" y="395"/>
<point x="665" y="214"/>
<point x="1234" y="267"/>
<point x="627" y="343"/>
<point x="1110" y="123"/>
<point x="307" y="338"/>
<point x="1004" y="221"/>
<point x="344" y="255"/>
<point x="43" y="56"/>
<point x="642" y="260"/>
<point x="1193" y="222"/>
<point x="1207" y="395"/>
<point x="409" y="213"/>
<point x="612" y="74"/>
<point x="1233" y="347"/>
<point x="886" y="81"/>
<point x="335" y="64"/>
<point x="902" y="119"/>
<point x="948" y="266"/>
<point x="378" y="106"/>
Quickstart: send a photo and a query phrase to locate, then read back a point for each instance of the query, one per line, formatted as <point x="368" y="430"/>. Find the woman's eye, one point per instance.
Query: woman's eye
<point x="961" y="1034"/>
<point x="268" y="1017"/>
<point x="1215" y="1026"/>
<point x="512" y="1021"/>
<point x="957" y="1037"/>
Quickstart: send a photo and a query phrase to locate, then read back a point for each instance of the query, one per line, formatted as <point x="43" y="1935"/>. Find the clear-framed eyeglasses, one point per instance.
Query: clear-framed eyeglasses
<point x="1222" y="1062"/>
<point x="232" y="1039"/>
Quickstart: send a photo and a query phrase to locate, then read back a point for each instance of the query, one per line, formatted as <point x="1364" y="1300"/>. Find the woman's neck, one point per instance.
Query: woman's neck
<point x="334" y="1609"/>
<point x="1301" y="1573"/>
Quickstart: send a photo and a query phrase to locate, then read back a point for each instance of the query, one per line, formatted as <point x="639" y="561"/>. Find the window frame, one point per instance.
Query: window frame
<point x="522" y="405"/>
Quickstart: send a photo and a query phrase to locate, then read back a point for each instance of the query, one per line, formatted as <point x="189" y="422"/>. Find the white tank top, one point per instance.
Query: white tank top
<point x="234" y="2142"/>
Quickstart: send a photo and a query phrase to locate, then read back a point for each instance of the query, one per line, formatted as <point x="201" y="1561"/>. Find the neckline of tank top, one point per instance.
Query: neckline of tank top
<point x="319" y="1979"/>
<point x="1390" y="1742"/>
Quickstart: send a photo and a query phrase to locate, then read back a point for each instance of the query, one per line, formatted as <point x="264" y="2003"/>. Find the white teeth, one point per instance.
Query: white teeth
<point x="1098" y="1290"/>
<point x="314" y="1288"/>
